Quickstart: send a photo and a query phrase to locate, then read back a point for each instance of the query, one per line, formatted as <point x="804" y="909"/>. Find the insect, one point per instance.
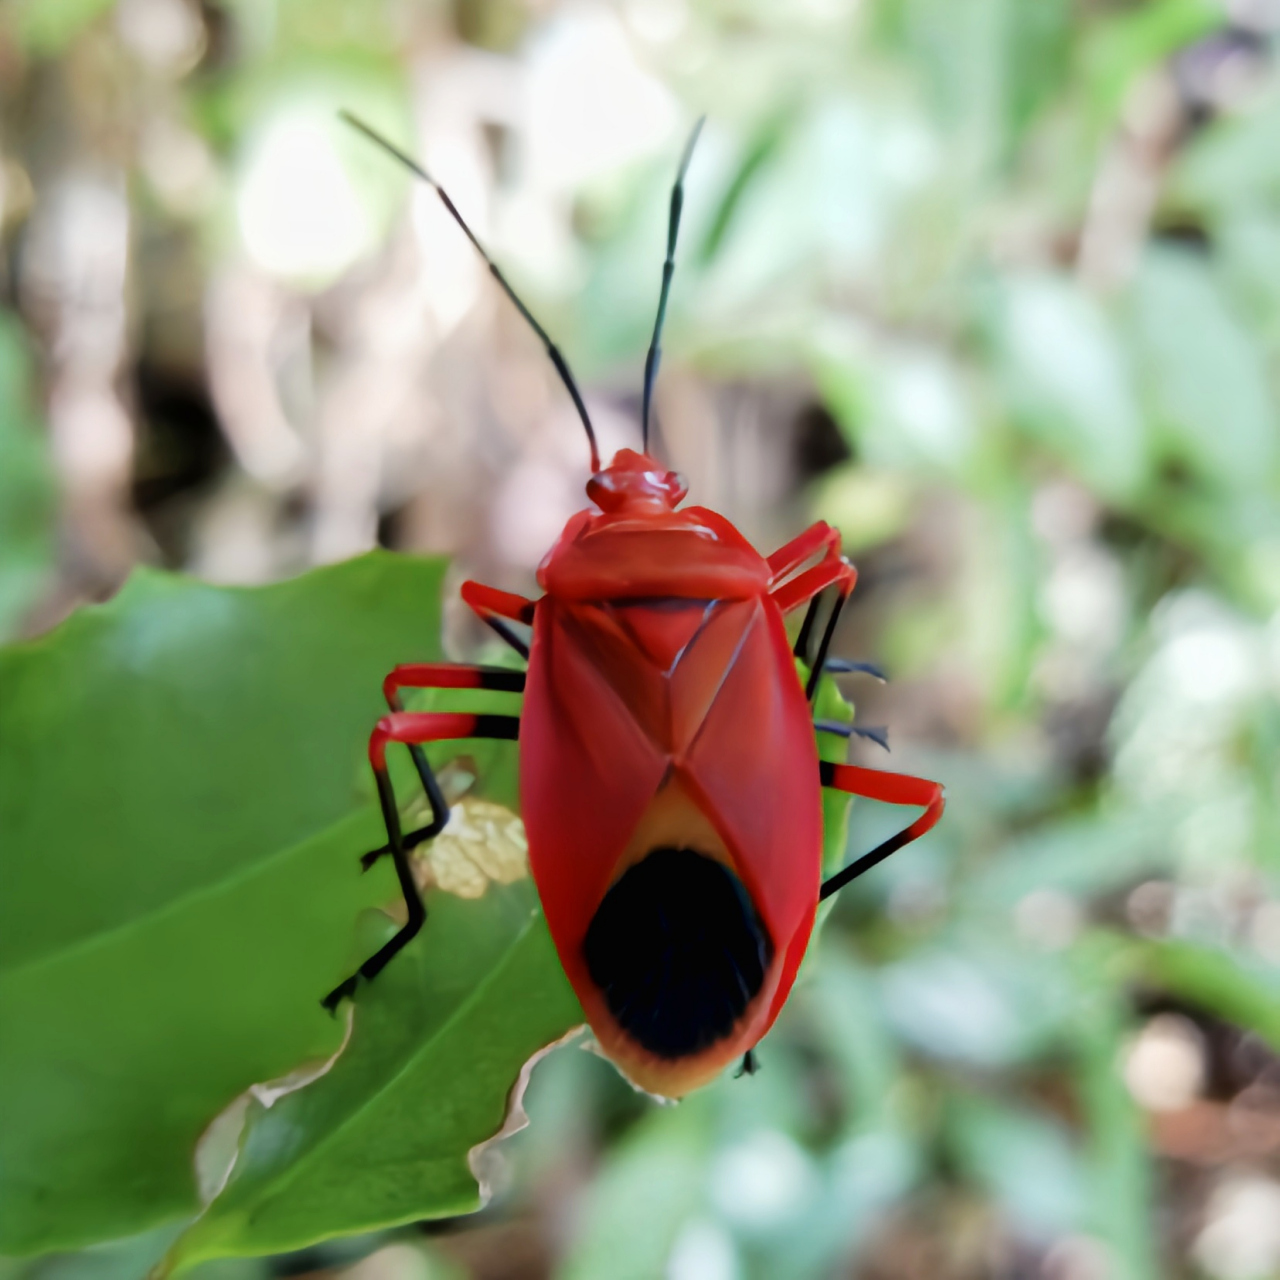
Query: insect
<point x="670" y="783"/>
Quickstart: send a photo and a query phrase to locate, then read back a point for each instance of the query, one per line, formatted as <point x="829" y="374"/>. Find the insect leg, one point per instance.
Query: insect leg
<point x="436" y="675"/>
<point x="824" y="645"/>
<point x="846" y="666"/>
<point x="877" y="733"/>
<point x="448" y="675"/>
<point x="893" y="788"/>
<point x="801" y="649"/>
<point x="833" y="568"/>
<point x="787" y="559"/>
<point x="819" y="537"/>
<point x="492" y="605"/>
<point x="413" y="728"/>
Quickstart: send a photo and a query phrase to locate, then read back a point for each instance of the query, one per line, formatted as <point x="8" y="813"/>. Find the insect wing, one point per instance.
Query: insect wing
<point x="754" y="765"/>
<point x="587" y="772"/>
<point x="705" y="690"/>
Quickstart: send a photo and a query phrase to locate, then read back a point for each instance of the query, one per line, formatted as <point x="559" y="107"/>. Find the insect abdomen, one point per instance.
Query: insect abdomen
<point x="678" y="951"/>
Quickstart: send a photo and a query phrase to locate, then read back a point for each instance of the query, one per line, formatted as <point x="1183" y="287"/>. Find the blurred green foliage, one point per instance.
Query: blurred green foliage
<point x="1027" y="257"/>
<point x="26" y="485"/>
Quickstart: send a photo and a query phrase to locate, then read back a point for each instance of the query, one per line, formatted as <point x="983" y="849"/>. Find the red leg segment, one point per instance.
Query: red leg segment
<point x="787" y="559"/>
<point x="416" y="727"/>
<point x="492" y="606"/>
<point x="448" y="675"/>
<point x="893" y="788"/>
<point x="437" y="675"/>
<point x="490" y="602"/>
<point x="832" y="569"/>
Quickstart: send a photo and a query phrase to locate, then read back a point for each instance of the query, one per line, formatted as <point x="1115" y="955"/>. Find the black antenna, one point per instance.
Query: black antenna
<point x="668" y="269"/>
<point x="562" y="367"/>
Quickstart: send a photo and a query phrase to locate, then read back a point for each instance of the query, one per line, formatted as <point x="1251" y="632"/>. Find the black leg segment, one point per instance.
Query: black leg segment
<point x="412" y="898"/>
<point x="819" y="662"/>
<point x="504" y="632"/>
<point x="801" y="649"/>
<point x="399" y="844"/>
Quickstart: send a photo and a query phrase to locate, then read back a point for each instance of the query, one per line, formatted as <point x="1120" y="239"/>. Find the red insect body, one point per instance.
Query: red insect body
<point x="669" y="775"/>
<point x="663" y="709"/>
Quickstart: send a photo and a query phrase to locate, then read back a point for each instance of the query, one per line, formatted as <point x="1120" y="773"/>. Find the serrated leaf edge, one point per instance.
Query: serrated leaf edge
<point x="484" y="1160"/>
<point x="210" y="1182"/>
<point x="174" y="1262"/>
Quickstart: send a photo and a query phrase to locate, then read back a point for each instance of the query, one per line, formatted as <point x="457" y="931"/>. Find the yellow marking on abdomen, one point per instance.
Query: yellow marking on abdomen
<point x="673" y="821"/>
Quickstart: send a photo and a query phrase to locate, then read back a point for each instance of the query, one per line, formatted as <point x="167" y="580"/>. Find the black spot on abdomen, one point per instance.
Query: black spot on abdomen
<point x="678" y="951"/>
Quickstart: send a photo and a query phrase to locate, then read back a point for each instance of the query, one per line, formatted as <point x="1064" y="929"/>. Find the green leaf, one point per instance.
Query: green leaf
<point x="48" y="26"/>
<point x="384" y="1137"/>
<point x="175" y="901"/>
<point x="761" y="147"/>
<point x="653" y="1182"/>
<point x="1207" y="378"/>
<point x="830" y="704"/>
<point x="1243" y="992"/>
<point x="26" y="484"/>
<point x="1233" y="166"/>
<point x="841" y="999"/>
<point x="904" y="408"/>
<point x="978" y="1003"/>
<point x="1067" y="382"/>
<point x="1248" y="248"/>
<point x="1119" y="1181"/>
<point x="125" y="1259"/>
<point x="1025" y="1158"/>
<point x="1085" y="856"/>
<point x="988" y="65"/>
<point x="868" y="506"/>
<point x="1125" y="44"/>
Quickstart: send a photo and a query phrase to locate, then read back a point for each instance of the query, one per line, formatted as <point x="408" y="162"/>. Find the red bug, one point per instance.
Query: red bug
<point x="669" y="775"/>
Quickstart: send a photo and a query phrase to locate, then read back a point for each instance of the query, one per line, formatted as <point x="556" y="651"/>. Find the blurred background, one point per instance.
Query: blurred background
<point x="994" y="286"/>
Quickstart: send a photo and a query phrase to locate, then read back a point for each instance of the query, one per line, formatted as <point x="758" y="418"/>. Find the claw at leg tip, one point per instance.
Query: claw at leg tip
<point x="335" y="997"/>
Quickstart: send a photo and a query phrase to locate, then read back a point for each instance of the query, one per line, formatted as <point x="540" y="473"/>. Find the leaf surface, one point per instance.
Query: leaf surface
<point x="182" y="800"/>
<point x="385" y="1136"/>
